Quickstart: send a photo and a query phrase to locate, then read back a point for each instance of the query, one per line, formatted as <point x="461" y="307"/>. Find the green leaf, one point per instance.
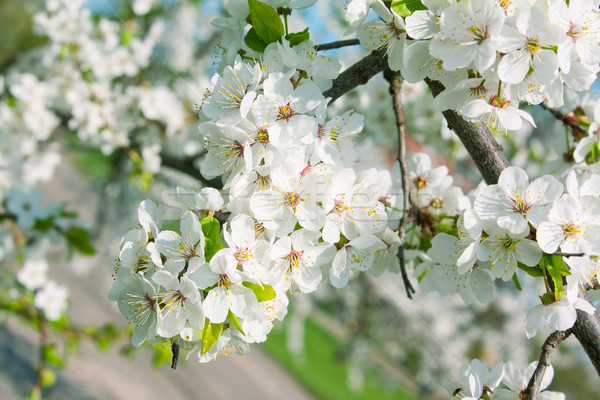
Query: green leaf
<point x="532" y="271"/>
<point x="404" y="8"/>
<point x="211" y="248"/>
<point x="211" y="228"/>
<point x="234" y="320"/>
<point x="297" y="37"/>
<point x="254" y="41"/>
<point x="557" y="269"/>
<point x="43" y="225"/>
<point x="266" y="21"/>
<point x="162" y="354"/>
<point x="516" y="282"/>
<point x="262" y="293"/>
<point x="79" y="239"/>
<point x="210" y="335"/>
<point x="51" y="356"/>
<point x="48" y="378"/>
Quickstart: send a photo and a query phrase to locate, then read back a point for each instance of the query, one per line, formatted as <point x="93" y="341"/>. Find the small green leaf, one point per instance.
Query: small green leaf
<point x="211" y="248"/>
<point x="266" y="21"/>
<point x="234" y="320"/>
<point x="262" y="293"/>
<point x="79" y="239"/>
<point x="162" y="354"/>
<point x="298" y="37"/>
<point x="557" y="269"/>
<point x="516" y="282"/>
<point x="532" y="271"/>
<point x="210" y="335"/>
<point x="48" y="378"/>
<point x="404" y="8"/>
<point x="43" y="225"/>
<point x="254" y="41"/>
<point x="211" y="228"/>
<point x="51" y="356"/>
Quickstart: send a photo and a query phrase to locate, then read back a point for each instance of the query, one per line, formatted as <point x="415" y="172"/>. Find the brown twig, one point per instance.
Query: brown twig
<point x="533" y="388"/>
<point x="395" y="83"/>
<point x="36" y="392"/>
<point x="336" y="45"/>
<point x="487" y="154"/>
<point x="358" y="74"/>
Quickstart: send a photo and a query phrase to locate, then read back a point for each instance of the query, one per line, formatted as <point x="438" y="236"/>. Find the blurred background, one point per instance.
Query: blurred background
<point x="365" y="341"/>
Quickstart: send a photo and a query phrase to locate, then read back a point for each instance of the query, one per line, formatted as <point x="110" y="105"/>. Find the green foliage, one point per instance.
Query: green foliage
<point x="210" y="335"/>
<point x="48" y="377"/>
<point x="266" y="21"/>
<point x="262" y="293"/>
<point x="211" y="228"/>
<point x="404" y="8"/>
<point x="298" y="37"/>
<point x="532" y="271"/>
<point x="233" y="320"/>
<point x="162" y="353"/>
<point x="557" y="269"/>
<point x="52" y="357"/>
<point x="515" y="279"/>
<point x="254" y="41"/>
<point x="79" y="239"/>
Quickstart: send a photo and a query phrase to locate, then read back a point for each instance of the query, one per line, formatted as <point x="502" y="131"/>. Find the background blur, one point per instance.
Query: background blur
<point x="366" y="341"/>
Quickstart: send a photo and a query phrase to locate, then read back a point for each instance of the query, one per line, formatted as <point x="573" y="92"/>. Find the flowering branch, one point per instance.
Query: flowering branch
<point x="357" y="74"/>
<point x="395" y="81"/>
<point x="534" y="386"/>
<point x="337" y="44"/>
<point x="487" y="154"/>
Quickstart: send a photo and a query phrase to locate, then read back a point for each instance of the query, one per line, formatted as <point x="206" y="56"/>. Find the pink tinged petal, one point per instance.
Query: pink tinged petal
<point x="549" y="236"/>
<point x="236" y="299"/>
<point x="562" y="317"/>
<point x="584" y="147"/>
<point x="475" y="386"/>
<point x="534" y="320"/>
<point x="216" y="305"/>
<point x="331" y="230"/>
<point x="528" y="252"/>
<point x="495" y="376"/>
<point x="341" y="280"/>
<point x="339" y="263"/>
<point x="203" y="277"/>
<point x="543" y="190"/>
<point x="514" y="66"/>
<point x="583" y="305"/>
<point x="422" y="24"/>
<point x="467" y="259"/>
<point x="166" y="280"/>
<point x="481" y="284"/>
<point x="475" y="109"/>
<point x="310" y="215"/>
<point x="515" y="223"/>
<point x="246" y="103"/>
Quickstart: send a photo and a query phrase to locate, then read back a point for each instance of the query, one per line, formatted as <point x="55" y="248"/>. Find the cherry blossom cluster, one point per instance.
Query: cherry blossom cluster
<point x="503" y="381"/>
<point x="490" y="55"/>
<point x="521" y="225"/>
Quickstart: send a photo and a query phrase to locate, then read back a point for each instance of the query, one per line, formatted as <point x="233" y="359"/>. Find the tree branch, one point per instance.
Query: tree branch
<point x="534" y="386"/>
<point x="587" y="332"/>
<point x="357" y="74"/>
<point x="336" y="45"/>
<point x="487" y="154"/>
<point x="395" y="81"/>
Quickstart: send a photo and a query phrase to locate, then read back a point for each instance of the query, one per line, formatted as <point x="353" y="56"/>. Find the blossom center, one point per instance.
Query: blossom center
<point x="339" y="207"/>
<point x="236" y="149"/>
<point x="242" y="254"/>
<point x="262" y="136"/>
<point x="520" y="206"/>
<point x="285" y="112"/>
<point x="533" y="46"/>
<point x="224" y="281"/>
<point x="571" y="230"/>
<point x="294" y="258"/>
<point x="479" y="33"/>
<point x="292" y="199"/>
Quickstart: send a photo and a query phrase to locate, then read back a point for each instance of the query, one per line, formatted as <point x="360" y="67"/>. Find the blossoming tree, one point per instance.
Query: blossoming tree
<point x="286" y="204"/>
